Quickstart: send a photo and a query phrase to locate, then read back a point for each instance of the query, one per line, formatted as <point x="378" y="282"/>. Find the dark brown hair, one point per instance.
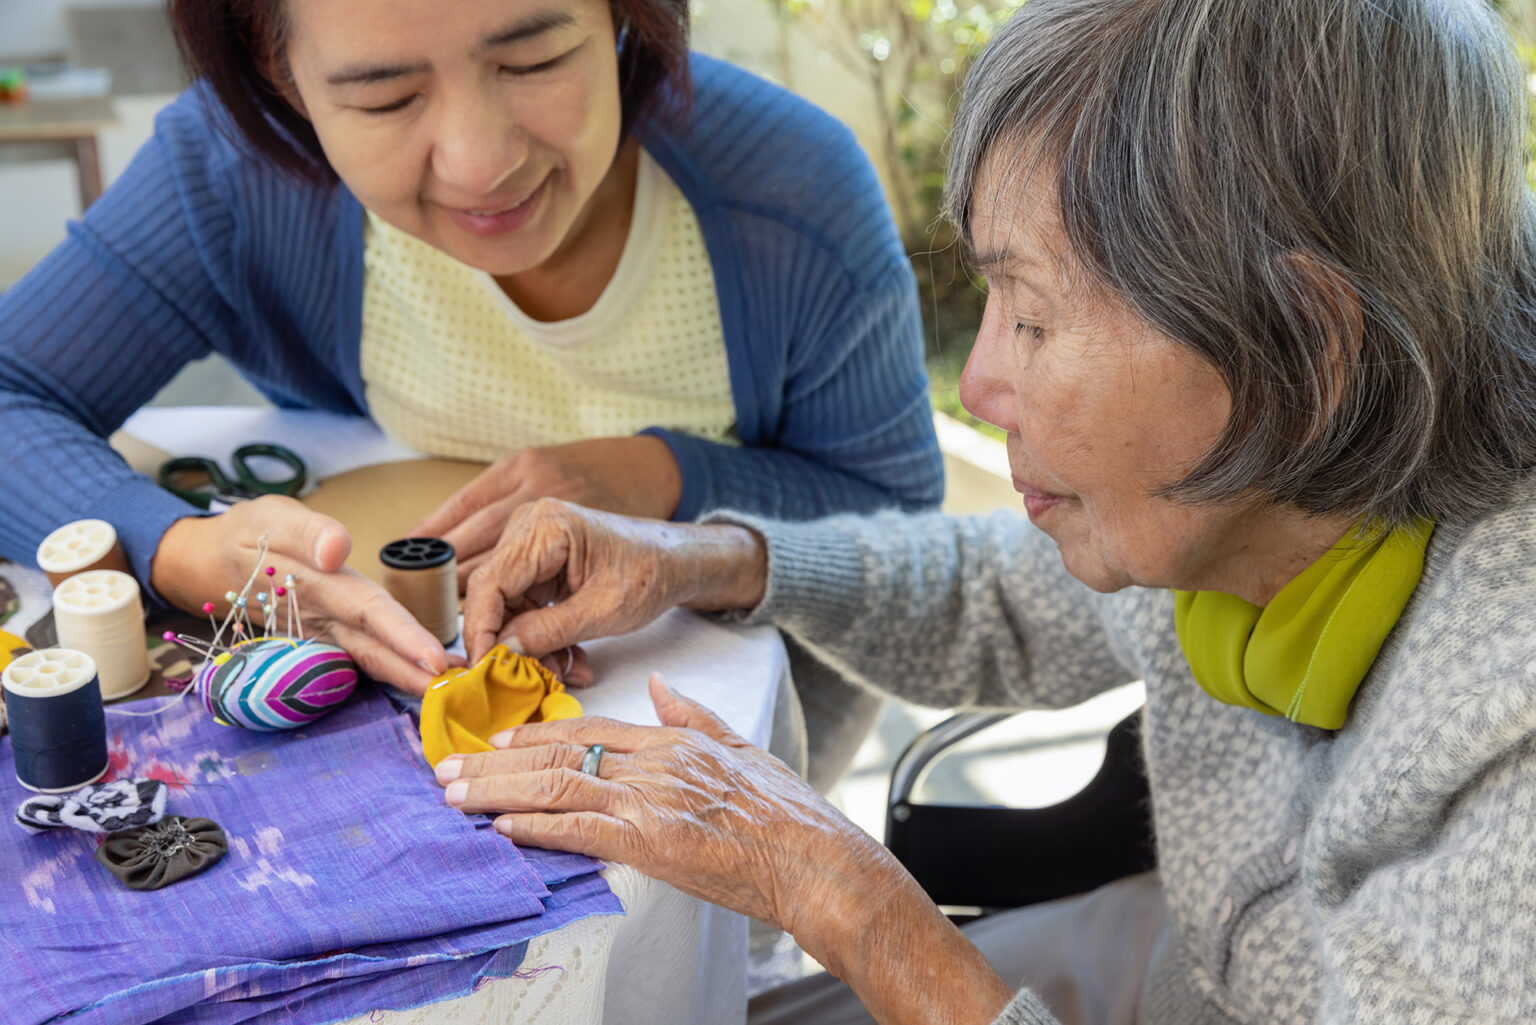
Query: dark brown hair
<point x="237" y="47"/>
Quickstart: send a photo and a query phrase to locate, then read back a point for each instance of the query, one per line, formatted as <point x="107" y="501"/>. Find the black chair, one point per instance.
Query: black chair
<point x="994" y="858"/>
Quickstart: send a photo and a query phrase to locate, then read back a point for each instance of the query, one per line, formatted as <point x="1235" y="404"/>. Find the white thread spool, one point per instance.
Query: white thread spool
<point x="100" y="613"/>
<point x="79" y="547"/>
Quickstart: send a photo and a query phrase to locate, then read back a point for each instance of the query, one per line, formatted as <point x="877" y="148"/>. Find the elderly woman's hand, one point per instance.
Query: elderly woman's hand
<point x="694" y="805"/>
<point x="562" y="574"/>
<point x="634" y="476"/>
<point x="689" y="802"/>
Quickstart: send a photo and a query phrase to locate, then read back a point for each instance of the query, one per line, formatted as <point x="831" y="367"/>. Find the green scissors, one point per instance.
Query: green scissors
<point x="202" y="481"/>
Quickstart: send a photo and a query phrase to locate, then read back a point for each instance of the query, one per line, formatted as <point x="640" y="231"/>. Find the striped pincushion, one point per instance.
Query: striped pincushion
<point x="271" y="683"/>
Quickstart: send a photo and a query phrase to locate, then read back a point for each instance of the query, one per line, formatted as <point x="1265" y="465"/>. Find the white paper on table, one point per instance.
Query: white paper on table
<point x="329" y="443"/>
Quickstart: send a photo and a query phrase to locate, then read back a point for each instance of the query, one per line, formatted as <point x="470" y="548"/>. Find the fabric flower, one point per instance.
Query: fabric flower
<point x="167" y="852"/>
<point x="98" y="808"/>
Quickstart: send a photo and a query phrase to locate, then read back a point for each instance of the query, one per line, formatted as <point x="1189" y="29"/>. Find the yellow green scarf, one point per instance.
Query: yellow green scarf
<point x="1305" y="654"/>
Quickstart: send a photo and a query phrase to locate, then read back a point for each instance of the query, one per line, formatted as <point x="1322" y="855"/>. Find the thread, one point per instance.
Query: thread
<point x="100" y="613"/>
<point x="422" y="575"/>
<point x="58" y="727"/>
<point x="80" y="547"/>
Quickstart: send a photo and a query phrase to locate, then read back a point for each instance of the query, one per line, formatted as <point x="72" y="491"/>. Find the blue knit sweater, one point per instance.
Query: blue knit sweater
<point x="201" y="247"/>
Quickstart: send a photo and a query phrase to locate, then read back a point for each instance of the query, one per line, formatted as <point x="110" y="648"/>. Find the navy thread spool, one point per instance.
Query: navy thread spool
<point x="58" y="724"/>
<point x="422" y="575"/>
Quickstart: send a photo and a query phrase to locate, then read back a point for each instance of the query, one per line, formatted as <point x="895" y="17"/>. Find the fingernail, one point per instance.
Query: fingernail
<point x="513" y="645"/>
<point x="449" y="768"/>
<point x="427" y="668"/>
<point x="457" y="792"/>
<point x="504" y="828"/>
<point x="501" y="739"/>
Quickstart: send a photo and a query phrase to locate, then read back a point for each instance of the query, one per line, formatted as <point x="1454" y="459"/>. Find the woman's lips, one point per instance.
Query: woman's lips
<point x="1037" y="501"/>
<point x="490" y="223"/>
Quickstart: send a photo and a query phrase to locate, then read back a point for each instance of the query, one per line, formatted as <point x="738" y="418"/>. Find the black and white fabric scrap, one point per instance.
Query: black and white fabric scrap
<point x="98" y="808"/>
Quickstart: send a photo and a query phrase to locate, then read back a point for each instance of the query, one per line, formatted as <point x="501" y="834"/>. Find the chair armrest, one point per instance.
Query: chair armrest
<point x="932" y="743"/>
<point x="1006" y="857"/>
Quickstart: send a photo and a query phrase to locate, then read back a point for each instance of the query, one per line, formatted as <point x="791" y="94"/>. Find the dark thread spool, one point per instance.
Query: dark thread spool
<point x="422" y="574"/>
<point x="58" y="725"/>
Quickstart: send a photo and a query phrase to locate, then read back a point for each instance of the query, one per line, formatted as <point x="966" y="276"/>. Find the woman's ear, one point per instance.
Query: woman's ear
<point x="1333" y="306"/>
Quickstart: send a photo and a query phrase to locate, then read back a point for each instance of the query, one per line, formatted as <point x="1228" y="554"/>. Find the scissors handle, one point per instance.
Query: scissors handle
<point x="248" y="479"/>
<point x="200" y="481"/>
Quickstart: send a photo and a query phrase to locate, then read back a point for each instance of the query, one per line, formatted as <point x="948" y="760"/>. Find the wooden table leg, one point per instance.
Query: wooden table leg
<point x="88" y="164"/>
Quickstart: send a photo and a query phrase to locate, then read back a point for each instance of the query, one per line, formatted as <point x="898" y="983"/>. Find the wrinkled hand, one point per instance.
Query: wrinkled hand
<point x="562" y="574"/>
<point x="636" y="476"/>
<point x="688" y="802"/>
<point x="201" y="558"/>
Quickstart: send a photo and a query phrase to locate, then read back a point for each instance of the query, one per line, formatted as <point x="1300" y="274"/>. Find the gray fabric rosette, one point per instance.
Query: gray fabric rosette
<point x="167" y="852"/>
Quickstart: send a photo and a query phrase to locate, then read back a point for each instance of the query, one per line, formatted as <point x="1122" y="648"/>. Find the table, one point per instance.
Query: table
<point x="672" y="958"/>
<point x="72" y="124"/>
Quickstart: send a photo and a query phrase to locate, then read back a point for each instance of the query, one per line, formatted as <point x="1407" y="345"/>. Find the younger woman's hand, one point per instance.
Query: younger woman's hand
<point x="202" y="558"/>
<point x="635" y="476"/>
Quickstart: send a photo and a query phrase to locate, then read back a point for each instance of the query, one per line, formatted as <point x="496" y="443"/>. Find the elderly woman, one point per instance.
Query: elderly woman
<point x="1262" y="334"/>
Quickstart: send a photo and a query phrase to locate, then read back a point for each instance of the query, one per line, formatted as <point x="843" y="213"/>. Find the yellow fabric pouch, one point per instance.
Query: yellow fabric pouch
<point x="464" y="708"/>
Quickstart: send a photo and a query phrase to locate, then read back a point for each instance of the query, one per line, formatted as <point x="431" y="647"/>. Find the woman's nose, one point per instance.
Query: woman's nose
<point x="988" y="389"/>
<point x="479" y="146"/>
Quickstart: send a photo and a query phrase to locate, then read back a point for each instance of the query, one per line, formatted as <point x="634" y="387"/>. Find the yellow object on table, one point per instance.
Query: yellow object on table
<point x="464" y="708"/>
<point x="10" y="646"/>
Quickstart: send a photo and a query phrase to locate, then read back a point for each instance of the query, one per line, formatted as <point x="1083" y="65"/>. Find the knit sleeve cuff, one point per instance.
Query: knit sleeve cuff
<point x="815" y="573"/>
<point x="141" y="512"/>
<point x="693" y="467"/>
<point x="1025" y="1009"/>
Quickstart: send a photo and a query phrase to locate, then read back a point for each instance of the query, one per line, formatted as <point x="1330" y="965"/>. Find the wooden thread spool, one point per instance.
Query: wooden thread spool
<point x="58" y="727"/>
<point x="422" y="574"/>
<point x="80" y="547"/>
<point x="100" y="613"/>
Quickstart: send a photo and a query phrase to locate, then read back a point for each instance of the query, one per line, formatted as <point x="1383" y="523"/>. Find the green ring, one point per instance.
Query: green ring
<point x="591" y="760"/>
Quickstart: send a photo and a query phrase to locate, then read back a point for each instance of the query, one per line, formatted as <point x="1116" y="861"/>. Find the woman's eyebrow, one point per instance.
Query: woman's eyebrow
<point x="366" y="74"/>
<point x="1008" y="261"/>
<point x="525" y="28"/>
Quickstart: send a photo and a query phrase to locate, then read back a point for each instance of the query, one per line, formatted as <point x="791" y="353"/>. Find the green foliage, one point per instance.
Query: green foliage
<point x="912" y="54"/>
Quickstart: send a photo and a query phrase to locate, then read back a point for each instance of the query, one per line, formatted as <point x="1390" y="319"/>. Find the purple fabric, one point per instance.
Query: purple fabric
<point x="349" y="885"/>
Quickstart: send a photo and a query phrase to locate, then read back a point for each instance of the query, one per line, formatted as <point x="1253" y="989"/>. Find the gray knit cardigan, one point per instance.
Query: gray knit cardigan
<point x="1385" y="872"/>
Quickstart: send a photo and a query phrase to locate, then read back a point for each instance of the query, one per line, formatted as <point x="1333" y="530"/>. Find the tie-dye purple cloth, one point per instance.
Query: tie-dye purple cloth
<point x="349" y="886"/>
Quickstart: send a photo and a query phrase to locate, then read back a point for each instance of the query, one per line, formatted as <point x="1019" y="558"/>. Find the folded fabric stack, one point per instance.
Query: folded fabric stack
<point x="348" y="886"/>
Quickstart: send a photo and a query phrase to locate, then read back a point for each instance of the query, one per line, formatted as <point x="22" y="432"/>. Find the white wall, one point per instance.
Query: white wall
<point x="36" y="29"/>
<point x="746" y="32"/>
<point x="37" y="197"/>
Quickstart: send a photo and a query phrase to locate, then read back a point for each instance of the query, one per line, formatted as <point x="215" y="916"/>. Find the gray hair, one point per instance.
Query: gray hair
<point x="1325" y="199"/>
